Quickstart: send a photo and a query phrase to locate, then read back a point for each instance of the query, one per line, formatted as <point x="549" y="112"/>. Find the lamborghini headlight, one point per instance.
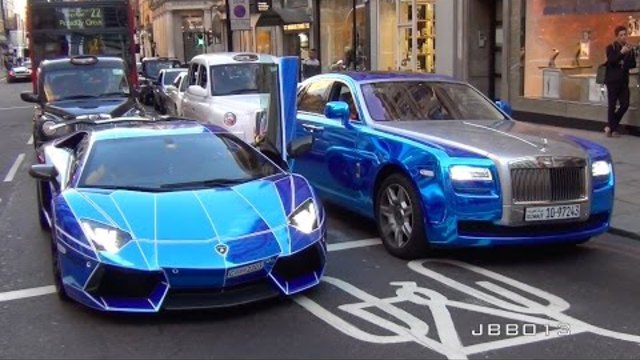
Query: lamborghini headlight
<point x="601" y="168"/>
<point x="470" y="173"/>
<point x="305" y="217"/>
<point x="105" y="237"/>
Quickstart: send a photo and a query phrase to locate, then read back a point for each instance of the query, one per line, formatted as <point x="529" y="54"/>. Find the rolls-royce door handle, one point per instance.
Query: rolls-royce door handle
<point x="312" y="128"/>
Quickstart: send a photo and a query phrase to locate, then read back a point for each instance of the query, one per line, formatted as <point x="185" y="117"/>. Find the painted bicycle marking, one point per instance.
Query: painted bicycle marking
<point x="501" y="302"/>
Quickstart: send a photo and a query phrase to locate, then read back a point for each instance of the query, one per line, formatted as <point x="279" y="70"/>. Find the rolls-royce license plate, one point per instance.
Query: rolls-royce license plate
<point x="559" y="212"/>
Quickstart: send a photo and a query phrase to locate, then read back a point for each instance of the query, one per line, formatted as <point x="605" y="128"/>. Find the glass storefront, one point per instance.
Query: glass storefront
<point x="407" y="35"/>
<point x="563" y="43"/>
<point x="264" y="40"/>
<point x="337" y="36"/>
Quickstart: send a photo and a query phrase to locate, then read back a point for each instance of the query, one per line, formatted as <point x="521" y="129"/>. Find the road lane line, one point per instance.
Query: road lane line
<point x="14" y="168"/>
<point x="15" y="108"/>
<point x="27" y="293"/>
<point x="30" y="142"/>
<point x="50" y="289"/>
<point x="353" y="244"/>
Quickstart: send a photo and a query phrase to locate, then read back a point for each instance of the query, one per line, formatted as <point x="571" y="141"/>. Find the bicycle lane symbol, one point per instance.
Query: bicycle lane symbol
<point x="410" y="328"/>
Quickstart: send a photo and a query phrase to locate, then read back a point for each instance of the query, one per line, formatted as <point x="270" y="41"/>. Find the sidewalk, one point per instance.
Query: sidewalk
<point x="626" y="158"/>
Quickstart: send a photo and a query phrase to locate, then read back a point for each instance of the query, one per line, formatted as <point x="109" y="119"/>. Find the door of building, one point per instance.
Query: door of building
<point x="416" y="35"/>
<point x="195" y="43"/>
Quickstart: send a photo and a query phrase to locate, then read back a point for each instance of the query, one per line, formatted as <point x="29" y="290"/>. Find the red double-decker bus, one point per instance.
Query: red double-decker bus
<point x="61" y="28"/>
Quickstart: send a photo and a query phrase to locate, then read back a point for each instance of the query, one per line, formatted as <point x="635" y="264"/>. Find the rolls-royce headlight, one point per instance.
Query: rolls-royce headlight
<point x="601" y="168"/>
<point x="305" y="217"/>
<point x="470" y="173"/>
<point x="104" y="237"/>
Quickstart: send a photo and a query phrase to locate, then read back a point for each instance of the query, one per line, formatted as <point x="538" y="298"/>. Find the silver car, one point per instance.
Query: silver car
<point x="175" y="93"/>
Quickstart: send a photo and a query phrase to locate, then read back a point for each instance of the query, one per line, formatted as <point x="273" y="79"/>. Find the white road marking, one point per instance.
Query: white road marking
<point x="27" y="293"/>
<point x="14" y="168"/>
<point x="30" y="140"/>
<point x="15" y="108"/>
<point x="46" y="290"/>
<point x="353" y="244"/>
<point x="498" y="295"/>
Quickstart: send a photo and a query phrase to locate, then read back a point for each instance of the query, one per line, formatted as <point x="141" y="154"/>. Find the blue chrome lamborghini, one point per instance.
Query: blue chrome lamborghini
<point x="438" y="164"/>
<point x="176" y="215"/>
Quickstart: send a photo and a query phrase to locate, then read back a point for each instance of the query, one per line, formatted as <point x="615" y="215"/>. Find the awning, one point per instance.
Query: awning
<point x="280" y="17"/>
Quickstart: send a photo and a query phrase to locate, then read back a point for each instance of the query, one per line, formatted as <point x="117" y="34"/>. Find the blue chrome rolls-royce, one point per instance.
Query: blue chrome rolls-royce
<point x="436" y="163"/>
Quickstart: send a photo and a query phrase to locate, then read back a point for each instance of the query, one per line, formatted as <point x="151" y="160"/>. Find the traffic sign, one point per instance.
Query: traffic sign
<point x="239" y="15"/>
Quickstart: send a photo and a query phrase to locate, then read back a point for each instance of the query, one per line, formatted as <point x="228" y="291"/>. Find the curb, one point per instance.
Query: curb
<point x="624" y="233"/>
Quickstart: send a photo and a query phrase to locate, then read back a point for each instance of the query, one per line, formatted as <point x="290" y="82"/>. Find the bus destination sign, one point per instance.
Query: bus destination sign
<point x="82" y="18"/>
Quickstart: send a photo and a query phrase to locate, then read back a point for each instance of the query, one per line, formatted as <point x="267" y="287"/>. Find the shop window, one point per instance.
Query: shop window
<point x="263" y="40"/>
<point x="337" y="37"/>
<point x="562" y="46"/>
<point x="407" y="35"/>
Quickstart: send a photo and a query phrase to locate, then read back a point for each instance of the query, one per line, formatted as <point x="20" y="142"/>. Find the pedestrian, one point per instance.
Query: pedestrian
<point x="621" y="58"/>
<point x="311" y="66"/>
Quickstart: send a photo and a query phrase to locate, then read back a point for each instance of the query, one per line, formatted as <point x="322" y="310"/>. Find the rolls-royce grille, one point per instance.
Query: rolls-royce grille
<point x="548" y="184"/>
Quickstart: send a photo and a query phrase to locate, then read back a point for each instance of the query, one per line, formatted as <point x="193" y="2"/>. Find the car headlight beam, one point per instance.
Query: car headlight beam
<point x="470" y="173"/>
<point x="105" y="237"/>
<point x="601" y="168"/>
<point x="305" y="217"/>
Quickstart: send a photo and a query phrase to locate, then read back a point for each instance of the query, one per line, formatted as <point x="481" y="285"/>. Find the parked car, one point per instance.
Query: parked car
<point x="196" y="219"/>
<point x="437" y="164"/>
<point x="175" y="93"/>
<point x="20" y="72"/>
<point x="79" y="87"/>
<point x="231" y="90"/>
<point x="149" y="75"/>
<point x="160" y="88"/>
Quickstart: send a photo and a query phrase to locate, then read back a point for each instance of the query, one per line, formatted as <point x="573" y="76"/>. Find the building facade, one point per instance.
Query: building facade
<point x="554" y="48"/>
<point x="177" y="28"/>
<point x="461" y="38"/>
<point x="3" y="35"/>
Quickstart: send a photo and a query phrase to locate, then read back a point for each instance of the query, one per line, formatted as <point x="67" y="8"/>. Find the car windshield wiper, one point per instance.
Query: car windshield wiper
<point x="125" y="187"/>
<point x="205" y="183"/>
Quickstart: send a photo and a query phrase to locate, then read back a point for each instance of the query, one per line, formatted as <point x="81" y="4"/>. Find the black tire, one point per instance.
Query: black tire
<point x="394" y="197"/>
<point x="44" y="224"/>
<point x="55" y="268"/>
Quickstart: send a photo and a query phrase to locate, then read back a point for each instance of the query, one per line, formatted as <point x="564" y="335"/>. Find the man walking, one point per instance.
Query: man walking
<point x="620" y="59"/>
<point x="311" y="66"/>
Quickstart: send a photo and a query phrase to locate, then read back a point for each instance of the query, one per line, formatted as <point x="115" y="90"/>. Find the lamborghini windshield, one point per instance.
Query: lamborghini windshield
<point x="167" y="162"/>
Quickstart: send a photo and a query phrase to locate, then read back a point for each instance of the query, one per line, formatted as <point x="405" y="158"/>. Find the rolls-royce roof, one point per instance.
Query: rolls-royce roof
<point x="394" y="75"/>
